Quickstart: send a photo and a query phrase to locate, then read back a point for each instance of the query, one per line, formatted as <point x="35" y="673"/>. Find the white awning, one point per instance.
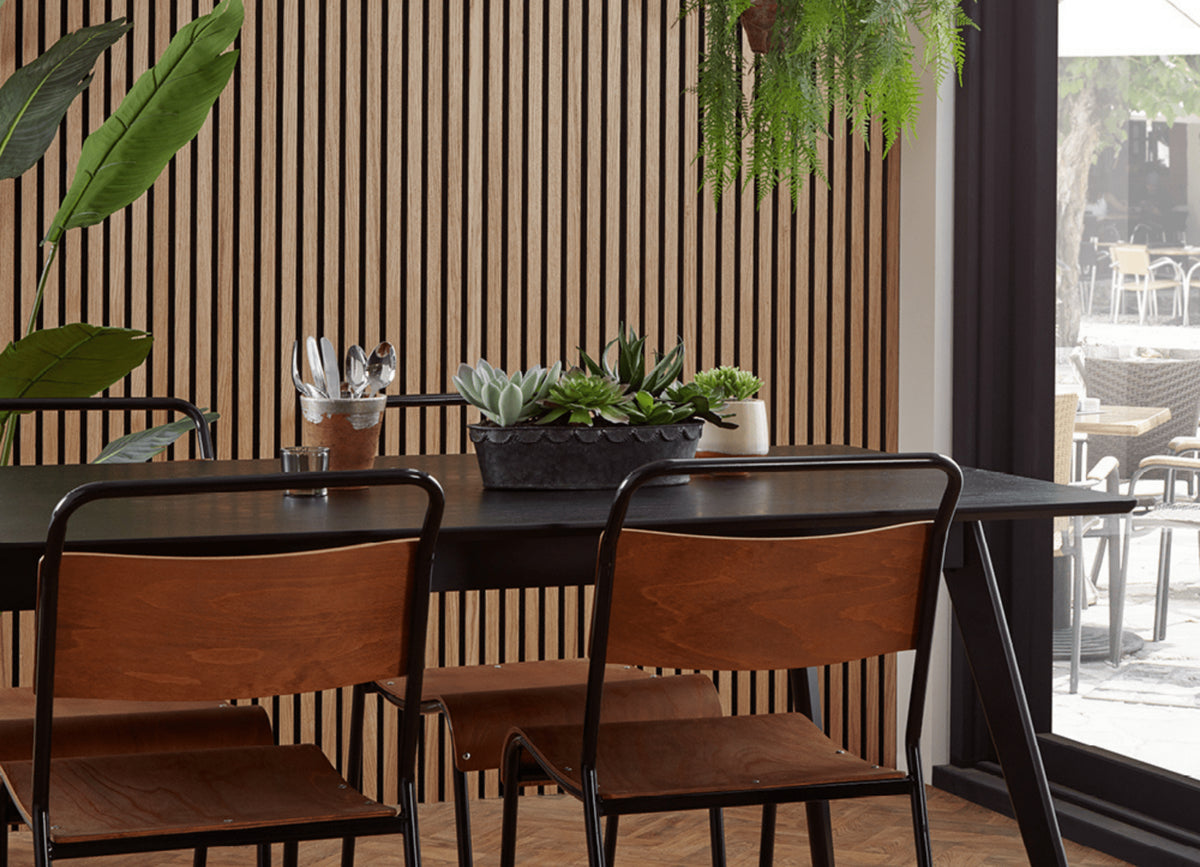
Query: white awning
<point x="1125" y="28"/>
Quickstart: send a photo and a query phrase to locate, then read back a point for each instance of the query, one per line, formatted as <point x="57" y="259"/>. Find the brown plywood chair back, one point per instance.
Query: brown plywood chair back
<point x="704" y="602"/>
<point x="187" y="628"/>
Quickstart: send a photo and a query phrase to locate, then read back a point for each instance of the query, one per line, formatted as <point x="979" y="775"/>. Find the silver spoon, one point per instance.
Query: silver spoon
<point x="301" y="386"/>
<point x="314" y="366"/>
<point x="356" y="370"/>
<point x="381" y="368"/>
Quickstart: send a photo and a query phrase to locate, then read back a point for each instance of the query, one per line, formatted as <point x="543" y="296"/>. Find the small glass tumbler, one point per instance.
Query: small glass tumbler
<point x="305" y="459"/>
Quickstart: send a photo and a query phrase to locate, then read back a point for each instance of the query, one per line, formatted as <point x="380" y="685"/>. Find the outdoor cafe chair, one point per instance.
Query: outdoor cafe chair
<point x="676" y="600"/>
<point x="481" y="703"/>
<point x="1132" y="271"/>
<point x="1166" y="514"/>
<point x="160" y="628"/>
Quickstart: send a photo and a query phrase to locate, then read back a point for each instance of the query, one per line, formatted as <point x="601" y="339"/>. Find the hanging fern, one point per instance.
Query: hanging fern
<point x="850" y="58"/>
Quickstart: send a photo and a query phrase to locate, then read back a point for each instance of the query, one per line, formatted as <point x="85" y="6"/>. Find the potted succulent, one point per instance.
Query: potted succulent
<point x="813" y="60"/>
<point x="589" y="427"/>
<point x="735" y="388"/>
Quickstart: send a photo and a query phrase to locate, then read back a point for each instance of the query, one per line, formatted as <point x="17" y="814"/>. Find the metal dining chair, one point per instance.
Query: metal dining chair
<point x="153" y="629"/>
<point x="677" y="600"/>
<point x="204" y="442"/>
<point x="90" y="727"/>
<point x="481" y="703"/>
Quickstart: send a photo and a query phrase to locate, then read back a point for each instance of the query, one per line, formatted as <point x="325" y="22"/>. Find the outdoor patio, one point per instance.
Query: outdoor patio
<point x="1149" y="707"/>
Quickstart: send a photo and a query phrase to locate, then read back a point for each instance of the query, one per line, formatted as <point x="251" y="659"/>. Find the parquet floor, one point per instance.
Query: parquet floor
<point x="867" y="833"/>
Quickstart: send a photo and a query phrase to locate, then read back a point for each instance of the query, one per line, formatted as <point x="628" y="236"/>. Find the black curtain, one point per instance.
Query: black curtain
<point x="1004" y="312"/>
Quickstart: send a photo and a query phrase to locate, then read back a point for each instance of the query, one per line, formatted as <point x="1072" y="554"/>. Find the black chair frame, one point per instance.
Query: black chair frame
<point x="204" y="442"/>
<point x="404" y="823"/>
<point x="912" y="784"/>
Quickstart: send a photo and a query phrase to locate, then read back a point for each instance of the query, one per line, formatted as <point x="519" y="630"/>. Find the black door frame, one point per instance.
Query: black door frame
<point x="1004" y="335"/>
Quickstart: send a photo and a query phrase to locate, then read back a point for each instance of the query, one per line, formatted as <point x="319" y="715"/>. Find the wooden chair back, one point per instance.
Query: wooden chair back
<point x="160" y="628"/>
<point x="682" y="601"/>
<point x="704" y="602"/>
<point x="177" y="629"/>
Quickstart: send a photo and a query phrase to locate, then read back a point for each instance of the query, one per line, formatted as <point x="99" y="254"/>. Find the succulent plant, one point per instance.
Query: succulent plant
<point x="503" y="399"/>
<point x="583" y="398"/>
<point x="631" y="364"/>
<point x="732" y="382"/>
<point x="698" y="402"/>
<point x="645" y="409"/>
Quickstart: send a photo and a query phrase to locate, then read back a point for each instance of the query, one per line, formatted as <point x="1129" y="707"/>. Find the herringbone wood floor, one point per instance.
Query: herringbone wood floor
<point x="873" y="832"/>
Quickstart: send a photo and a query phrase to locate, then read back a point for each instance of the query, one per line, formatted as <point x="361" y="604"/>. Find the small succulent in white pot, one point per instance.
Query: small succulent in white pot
<point x="736" y="387"/>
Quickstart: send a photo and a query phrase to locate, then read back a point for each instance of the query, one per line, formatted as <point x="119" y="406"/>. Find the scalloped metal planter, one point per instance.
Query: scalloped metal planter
<point x="547" y="458"/>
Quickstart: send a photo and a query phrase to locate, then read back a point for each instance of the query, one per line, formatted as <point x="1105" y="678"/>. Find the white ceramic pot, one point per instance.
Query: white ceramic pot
<point x="750" y="437"/>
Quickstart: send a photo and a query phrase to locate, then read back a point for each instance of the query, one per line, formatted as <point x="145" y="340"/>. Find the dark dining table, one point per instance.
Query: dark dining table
<point x="504" y="539"/>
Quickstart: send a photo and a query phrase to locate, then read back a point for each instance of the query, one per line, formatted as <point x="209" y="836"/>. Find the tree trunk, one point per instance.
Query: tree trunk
<point x="1079" y="113"/>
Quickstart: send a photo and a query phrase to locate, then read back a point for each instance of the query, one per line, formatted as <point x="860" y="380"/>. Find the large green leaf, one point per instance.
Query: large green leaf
<point x="161" y="113"/>
<point x="76" y="360"/>
<point x="142" y="445"/>
<point x="36" y="96"/>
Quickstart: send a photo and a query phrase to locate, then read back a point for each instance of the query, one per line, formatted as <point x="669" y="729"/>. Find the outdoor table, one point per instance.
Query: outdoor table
<point x="1121" y="421"/>
<point x="504" y="539"/>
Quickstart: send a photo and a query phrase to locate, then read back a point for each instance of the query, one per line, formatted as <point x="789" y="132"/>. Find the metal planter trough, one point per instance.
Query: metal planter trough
<point x="562" y="457"/>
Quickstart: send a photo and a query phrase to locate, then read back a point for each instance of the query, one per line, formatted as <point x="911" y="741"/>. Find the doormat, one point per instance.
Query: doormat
<point x="1152" y="683"/>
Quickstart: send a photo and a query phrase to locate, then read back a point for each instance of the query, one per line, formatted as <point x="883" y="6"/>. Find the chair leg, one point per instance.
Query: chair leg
<point x="412" y="834"/>
<point x="591" y="822"/>
<point x="263" y="858"/>
<point x="1076" y="604"/>
<point x="291" y="854"/>
<point x="7" y="817"/>
<point x="716" y="836"/>
<point x="1164" y="581"/>
<point x="347" y="852"/>
<point x="41" y="840"/>
<point x="462" y="819"/>
<point x="920" y="813"/>
<point x="1116" y="599"/>
<point x="820" y="833"/>
<point x="200" y="858"/>
<point x="610" y="839"/>
<point x="766" y="841"/>
<point x="512" y="788"/>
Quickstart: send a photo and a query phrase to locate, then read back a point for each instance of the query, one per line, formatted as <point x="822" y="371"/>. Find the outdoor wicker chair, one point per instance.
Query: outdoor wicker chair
<point x="1169" y="382"/>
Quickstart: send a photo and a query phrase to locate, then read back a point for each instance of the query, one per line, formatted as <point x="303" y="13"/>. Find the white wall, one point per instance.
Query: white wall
<point x="926" y="349"/>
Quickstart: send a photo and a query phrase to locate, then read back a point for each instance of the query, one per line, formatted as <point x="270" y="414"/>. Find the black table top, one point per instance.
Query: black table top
<point x="707" y="504"/>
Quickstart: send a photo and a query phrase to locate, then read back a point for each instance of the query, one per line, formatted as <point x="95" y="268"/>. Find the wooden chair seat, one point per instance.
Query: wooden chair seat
<point x="482" y="703"/>
<point x="86" y="727"/>
<point x="163" y="794"/>
<point x="691" y="757"/>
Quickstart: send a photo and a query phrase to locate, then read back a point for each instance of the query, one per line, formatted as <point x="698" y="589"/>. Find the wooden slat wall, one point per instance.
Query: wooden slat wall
<point x="507" y="179"/>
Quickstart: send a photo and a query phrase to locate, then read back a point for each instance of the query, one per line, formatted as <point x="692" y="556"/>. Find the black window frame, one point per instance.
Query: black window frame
<point x="1004" y="335"/>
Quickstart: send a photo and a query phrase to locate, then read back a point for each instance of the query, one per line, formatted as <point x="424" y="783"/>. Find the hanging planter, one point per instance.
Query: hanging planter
<point x="757" y="22"/>
<point x="814" y="60"/>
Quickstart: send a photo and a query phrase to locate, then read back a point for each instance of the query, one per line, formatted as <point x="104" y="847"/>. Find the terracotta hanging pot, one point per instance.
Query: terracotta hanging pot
<point x="757" y="21"/>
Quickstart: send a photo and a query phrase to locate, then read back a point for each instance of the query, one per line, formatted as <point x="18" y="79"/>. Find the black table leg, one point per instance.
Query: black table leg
<point x="806" y="697"/>
<point x="989" y="650"/>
